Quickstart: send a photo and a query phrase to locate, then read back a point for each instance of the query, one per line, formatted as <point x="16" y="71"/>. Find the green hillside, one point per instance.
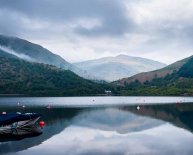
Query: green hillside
<point x="35" y="79"/>
<point x="37" y="53"/>
<point x="187" y="69"/>
<point x="179" y="82"/>
<point x="149" y="76"/>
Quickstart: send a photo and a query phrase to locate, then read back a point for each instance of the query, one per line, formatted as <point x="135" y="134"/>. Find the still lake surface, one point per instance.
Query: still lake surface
<point x="105" y="126"/>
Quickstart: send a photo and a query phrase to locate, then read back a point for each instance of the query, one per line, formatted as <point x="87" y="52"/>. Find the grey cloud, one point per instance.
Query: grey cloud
<point x="111" y="13"/>
<point x="172" y="38"/>
<point x="9" y="24"/>
<point x="139" y="32"/>
<point x="114" y="27"/>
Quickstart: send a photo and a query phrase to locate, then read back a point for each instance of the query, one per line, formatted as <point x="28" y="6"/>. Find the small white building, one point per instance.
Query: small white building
<point x="108" y="92"/>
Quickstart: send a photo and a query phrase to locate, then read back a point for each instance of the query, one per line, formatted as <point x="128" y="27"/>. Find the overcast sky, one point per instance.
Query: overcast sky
<point x="88" y="29"/>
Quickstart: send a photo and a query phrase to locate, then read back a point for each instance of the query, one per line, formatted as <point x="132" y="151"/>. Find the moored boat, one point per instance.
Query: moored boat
<point x="10" y="123"/>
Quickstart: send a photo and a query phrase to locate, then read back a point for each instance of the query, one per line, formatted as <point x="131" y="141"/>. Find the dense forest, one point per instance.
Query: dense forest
<point x="35" y="79"/>
<point x="187" y="69"/>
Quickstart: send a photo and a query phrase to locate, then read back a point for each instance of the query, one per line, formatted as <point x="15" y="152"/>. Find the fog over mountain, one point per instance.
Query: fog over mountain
<point x="114" y="68"/>
<point x="28" y="51"/>
<point x="107" y="68"/>
<point x="10" y="51"/>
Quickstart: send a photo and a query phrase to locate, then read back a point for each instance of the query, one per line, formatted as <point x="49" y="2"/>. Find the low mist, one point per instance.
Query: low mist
<point x="11" y="51"/>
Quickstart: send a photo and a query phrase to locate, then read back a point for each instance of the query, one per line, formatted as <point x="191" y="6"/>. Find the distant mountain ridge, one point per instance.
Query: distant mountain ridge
<point x="18" y="76"/>
<point x="108" y="68"/>
<point x="36" y="53"/>
<point x="114" y="68"/>
<point x="160" y="73"/>
<point x="175" y="79"/>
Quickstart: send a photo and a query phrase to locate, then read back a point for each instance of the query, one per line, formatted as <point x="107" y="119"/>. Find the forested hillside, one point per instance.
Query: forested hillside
<point x="35" y="79"/>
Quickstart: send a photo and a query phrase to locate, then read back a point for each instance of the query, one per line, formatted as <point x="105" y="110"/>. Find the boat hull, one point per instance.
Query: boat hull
<point x="20" y="127"/>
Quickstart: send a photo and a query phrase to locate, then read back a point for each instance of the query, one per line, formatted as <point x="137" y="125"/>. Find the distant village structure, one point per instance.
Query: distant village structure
<point x="108" y="92"/>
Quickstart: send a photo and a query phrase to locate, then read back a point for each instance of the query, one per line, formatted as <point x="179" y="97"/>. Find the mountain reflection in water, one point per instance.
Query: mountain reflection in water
<point x="153" y="129"/>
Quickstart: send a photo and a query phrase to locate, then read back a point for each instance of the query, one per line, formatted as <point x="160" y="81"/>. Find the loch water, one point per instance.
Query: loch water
<point x="105" y="126"/>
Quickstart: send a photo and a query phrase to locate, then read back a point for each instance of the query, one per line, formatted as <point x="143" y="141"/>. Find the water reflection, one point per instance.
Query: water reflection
<point x="21" y="134"/>
<point x="56" y="120"/>
<point x="180" y="115"/>
<point x="114" y="119"/>
<point x="153" y="129"/>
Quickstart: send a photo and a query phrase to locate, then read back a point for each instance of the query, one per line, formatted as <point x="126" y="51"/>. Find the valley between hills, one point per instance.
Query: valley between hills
<point x="29" y="69"/>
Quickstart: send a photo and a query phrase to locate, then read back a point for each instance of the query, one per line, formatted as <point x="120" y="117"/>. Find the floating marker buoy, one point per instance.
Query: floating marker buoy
<point x="138" y="107"/>
<point x="41" y="124"/>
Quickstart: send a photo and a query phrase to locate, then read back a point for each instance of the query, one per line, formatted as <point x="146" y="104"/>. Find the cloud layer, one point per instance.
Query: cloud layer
<point x="87" y="29"/>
